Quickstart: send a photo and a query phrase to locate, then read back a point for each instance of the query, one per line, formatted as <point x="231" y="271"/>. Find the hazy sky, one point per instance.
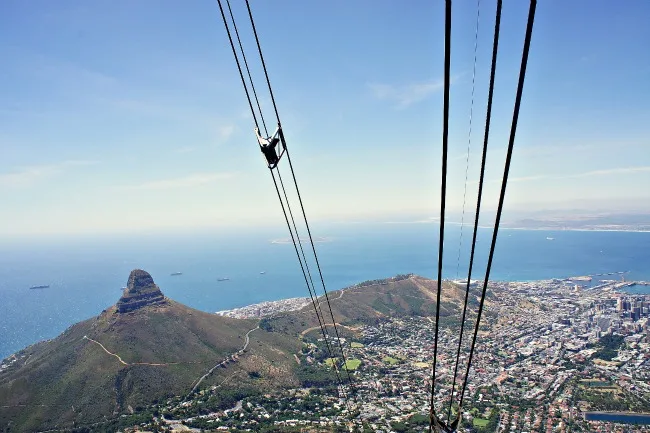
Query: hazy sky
<point x="120" y="115"/>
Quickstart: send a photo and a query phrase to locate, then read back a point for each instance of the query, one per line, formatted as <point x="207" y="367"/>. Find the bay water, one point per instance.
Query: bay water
<point x="86" y="274"/>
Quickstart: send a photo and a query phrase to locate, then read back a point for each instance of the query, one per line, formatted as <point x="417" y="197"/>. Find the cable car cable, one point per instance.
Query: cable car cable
<point x="469" y="135"/>
<point x="259" y="49"/>
<point x="241" y="48"/>
<point x="320" y="273"/>
<point x="311" y="240"/>
<point x="234" y="52"/>
<point x="302" y="252"/>
<point x="313" y="297"/>
<point x="480" y="188"/>
<point x="443" y="190"/>
<point x="273" y="177"/>
<point x="504" y="183"/>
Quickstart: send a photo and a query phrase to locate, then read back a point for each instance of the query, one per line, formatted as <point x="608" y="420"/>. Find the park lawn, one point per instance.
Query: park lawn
<point x="390" y="360"/>
<point x="330" y="361"/>
<point x="480" y="422"/>
<point x="352" y="364"/>
<point x="356" y="345"/>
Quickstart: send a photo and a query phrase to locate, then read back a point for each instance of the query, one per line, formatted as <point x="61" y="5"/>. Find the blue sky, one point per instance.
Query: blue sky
<point x="120" y="115"/>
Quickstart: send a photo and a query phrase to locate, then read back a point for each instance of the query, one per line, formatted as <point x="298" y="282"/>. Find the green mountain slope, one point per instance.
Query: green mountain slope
<point x="119" y="362"/>
<point x="148" y="348"/>
<point x="405" y="295"/>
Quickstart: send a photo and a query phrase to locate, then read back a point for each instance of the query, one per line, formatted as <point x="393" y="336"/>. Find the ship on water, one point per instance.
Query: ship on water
<point x="174" y="274"/>
<point x="39" y="287"/>
<point x="223" y="279"/>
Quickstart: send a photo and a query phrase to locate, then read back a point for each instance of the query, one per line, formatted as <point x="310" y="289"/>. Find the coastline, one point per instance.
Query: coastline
<point x="567" y="229"/>
<point x="264" y="309"/>
<point x="354" y="254"/>
<point x="505" y="226"/>
<point x="267" y="308"/>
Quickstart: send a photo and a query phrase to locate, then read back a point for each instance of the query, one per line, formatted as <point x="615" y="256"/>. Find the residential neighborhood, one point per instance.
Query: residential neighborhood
<point x="561" y="355"/>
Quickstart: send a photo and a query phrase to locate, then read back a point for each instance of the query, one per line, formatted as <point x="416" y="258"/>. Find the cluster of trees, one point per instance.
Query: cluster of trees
<point x="280" y="408"/>
<point x="314" y="377"/>
<point x="605" y="401"/>
<point x="265" y="324"/>
<point x="227" y="398"/>
<point x="118" y="424"/>
<point x="609" y="345"/>
<point x="493" y="422"/>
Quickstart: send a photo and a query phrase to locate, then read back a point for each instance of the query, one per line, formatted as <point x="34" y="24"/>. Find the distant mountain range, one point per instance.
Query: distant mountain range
<point x="583" y="221"/>
<point x="563" y="219"/>
<point x="148" y="348"/>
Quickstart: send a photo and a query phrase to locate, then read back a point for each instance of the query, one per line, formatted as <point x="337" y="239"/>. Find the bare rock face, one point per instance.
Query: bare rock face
<point x="140" y="292"/>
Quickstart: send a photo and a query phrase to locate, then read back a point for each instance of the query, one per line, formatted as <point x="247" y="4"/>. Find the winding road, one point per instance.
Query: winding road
<point x="240" y="351"/>
<point x="119" y="358"/>
<point x="313" y="328"/>
<point x="105" y="349"/>
<point x="155" y="364"/>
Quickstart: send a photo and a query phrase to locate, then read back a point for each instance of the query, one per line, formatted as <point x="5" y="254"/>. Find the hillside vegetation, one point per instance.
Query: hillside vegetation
<point x="117" y="363"/>
<point x="156" y="349"/>
<point x="370" y="303"/>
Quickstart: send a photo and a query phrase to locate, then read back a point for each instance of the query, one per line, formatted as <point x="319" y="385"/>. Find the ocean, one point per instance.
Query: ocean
<point x="86" y="275"/>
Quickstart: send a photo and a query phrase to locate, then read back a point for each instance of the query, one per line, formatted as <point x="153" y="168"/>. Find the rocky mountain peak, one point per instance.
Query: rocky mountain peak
<point x="140" y="292"/>
<point x="139" y="280"/>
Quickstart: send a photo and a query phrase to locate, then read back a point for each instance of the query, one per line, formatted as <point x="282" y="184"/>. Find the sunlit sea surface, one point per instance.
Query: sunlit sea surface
<point x="86" y="275"/>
